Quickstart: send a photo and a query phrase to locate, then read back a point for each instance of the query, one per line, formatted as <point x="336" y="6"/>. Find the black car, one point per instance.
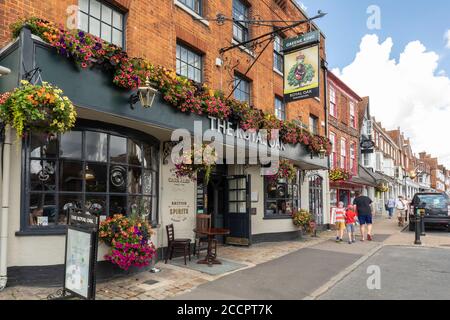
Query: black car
<point x="437" y="207"/>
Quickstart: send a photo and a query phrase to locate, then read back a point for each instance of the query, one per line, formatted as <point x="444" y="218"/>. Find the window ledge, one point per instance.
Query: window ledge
<point x="278" y="72"/>
<point x="191" y="12"/>
<point x="41" y="232"/>
<point x="279" y="217"/>
<point x="249" y="52"/>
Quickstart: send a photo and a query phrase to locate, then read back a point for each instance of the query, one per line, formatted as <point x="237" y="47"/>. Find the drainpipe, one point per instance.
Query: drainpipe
<point x="5" y="207"/>
<point x="325" y="105"/>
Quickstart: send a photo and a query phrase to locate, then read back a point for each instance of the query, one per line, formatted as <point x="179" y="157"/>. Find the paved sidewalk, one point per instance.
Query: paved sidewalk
<point x="320" y="260"/>
<point x="172" y="279"/>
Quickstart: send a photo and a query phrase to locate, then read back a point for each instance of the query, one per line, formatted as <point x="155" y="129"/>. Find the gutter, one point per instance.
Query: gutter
<point x="5" y="208"/>
<point x="5" y="199"/>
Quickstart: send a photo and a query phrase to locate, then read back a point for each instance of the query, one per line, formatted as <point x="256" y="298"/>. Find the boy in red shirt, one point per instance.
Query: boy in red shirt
<point x="350" y="221"/>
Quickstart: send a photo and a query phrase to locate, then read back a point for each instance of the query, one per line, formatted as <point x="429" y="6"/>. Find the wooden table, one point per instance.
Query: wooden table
<point x="211" y="258"/>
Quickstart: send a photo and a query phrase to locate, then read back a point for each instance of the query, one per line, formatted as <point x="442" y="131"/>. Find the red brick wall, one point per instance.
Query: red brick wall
<point x="153" y="27"/>
<point x="341" y="126"/>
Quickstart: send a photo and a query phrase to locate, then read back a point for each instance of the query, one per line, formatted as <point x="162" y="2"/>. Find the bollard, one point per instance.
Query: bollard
<point x="422" y="225"/>
<point x="417" y="218"/>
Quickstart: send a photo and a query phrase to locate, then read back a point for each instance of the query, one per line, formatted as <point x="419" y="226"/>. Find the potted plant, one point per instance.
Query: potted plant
<point x="129" y="239"/>
<point x="302" y="219"/>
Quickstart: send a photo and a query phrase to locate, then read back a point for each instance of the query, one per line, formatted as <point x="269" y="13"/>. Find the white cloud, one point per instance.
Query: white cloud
<point x="302" y="5"/>
<point x="447" y="38"/>
<point x="409" y="93"/>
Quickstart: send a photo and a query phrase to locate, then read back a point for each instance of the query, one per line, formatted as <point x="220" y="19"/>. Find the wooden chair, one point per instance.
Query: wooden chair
<point x="203" y="221"/>
<point x="177" y="244"/>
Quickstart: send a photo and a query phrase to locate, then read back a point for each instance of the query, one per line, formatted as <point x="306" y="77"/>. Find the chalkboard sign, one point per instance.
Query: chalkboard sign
<point x="81" y="255"/>
<point x="79" y="264"/>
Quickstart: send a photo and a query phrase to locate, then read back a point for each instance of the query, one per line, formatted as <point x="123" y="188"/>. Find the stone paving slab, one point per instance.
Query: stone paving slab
<point x="174" y="280"/>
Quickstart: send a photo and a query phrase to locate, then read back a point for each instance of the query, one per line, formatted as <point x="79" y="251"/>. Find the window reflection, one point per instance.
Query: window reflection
<point x="42" y="175"/>
<point x="62" y="176"/>
<point x="134" y="153"/>
<point x="71" y="176"/>
<point x="281" y="197"/>
<point x="70" y="145"/>
<point x="96" y="146"/>
<point x="43" y="145"/>
<point x="96" y="177"/>
<point x="42" y="210"/>
<point x="68" y="202"/>
<point x="118" y="149"/>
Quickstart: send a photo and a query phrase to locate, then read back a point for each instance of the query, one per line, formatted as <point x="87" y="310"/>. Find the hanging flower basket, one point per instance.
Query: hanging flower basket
<point x="285" y="170"/>
<point x="37" y="107"/>
<point x="192" y="162"/>
<point x="339" y="174"/>
<point x="129" y="239"/>
<point x="382" y="188"/>
<point x="87" y="50"/>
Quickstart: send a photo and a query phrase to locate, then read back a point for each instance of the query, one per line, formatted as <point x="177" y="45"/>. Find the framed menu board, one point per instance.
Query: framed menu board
<point x="79" y="262"/>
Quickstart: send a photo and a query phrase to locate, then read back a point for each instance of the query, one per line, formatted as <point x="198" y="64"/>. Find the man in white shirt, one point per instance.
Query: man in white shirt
<point x="400" y="209"/>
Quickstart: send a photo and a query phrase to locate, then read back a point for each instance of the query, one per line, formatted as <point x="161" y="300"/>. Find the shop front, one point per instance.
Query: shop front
<point x="117" y="160"/>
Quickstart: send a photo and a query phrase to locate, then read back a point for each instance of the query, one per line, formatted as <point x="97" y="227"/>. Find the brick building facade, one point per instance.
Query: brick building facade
<point x="152" y="30"/>
<point x="177" y="35"/>
<point x="344" y="133"/>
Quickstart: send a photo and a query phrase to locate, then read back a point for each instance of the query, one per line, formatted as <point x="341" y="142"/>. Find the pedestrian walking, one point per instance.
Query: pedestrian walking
<point x="400" y="210"/>
<point x="340" y="221"/>
<point x="350" y="223"/>
<point x="364" y="211"/>
<point x="390" y="206"/>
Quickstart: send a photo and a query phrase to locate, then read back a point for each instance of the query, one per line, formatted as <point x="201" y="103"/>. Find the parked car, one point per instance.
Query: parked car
<point x="437" y="209"/>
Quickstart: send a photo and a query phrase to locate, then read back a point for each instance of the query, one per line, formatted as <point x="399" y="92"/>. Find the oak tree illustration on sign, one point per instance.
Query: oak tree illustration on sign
<point x="301" y="73"/>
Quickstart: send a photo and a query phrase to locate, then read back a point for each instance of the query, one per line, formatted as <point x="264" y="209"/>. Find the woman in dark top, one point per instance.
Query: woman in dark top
<point x="364" y="209"/>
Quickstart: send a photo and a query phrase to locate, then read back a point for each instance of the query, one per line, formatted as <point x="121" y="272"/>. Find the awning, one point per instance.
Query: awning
<point x="364" y="177"/>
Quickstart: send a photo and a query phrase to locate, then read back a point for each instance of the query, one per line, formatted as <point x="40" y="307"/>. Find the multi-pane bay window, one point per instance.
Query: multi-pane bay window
<point x="88" y="170"/>
<point x="280" y="108"/>
<point x="240" y="27"/>
<point x="189" y="63"/>
<point x="242" y="89"/>
<point x="281" y="197"/>
<point x="101" y="20"/>
<point x="278" y="54"/>
<point x="194" y="5"/>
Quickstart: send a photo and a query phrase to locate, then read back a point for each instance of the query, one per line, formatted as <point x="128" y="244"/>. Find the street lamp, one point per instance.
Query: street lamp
<point x="322" y="152"/>
<point x="145" y="94"/>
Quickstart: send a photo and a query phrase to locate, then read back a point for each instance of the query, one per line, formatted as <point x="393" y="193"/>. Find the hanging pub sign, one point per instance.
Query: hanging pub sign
<point x="302" y="67"/>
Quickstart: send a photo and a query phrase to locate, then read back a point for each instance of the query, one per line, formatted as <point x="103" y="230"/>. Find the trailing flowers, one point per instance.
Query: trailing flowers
<point x="37" y="107"/>
<point x="185" y="95"/>
<point x="129" y="239"/>
<point x="339" y="174"/>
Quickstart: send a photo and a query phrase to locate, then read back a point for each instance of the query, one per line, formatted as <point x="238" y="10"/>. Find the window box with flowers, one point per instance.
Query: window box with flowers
<point x="128" y="73"/>
<point x="340" y="174"/>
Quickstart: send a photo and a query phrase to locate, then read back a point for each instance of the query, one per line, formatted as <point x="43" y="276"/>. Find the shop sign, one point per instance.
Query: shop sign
<point x="179" y="211"/>
<point x="301" y="41"/>
<point x="253" y="136"/>
<point x="302" y="67"/>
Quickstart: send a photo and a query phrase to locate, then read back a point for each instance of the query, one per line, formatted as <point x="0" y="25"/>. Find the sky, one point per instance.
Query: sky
<point x="400" y="58"/>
